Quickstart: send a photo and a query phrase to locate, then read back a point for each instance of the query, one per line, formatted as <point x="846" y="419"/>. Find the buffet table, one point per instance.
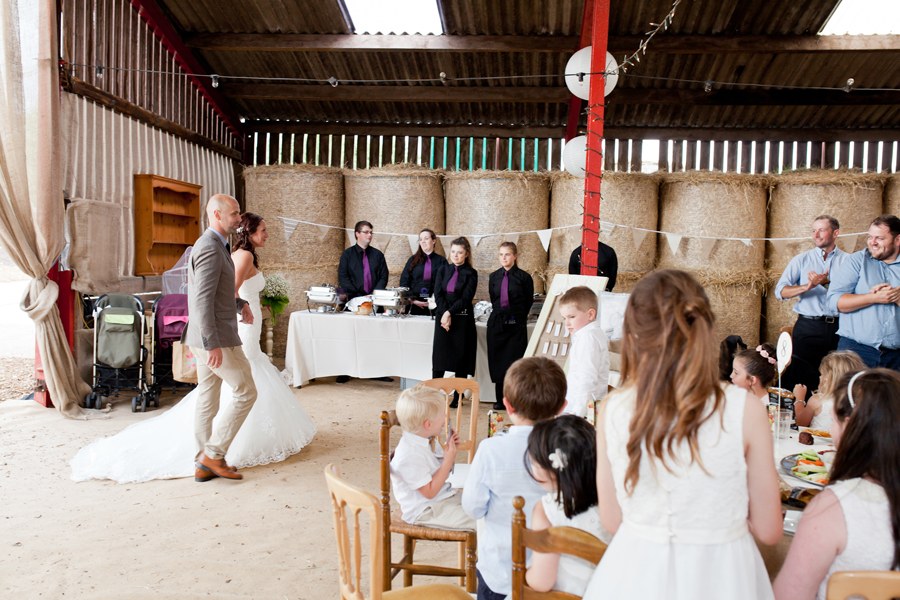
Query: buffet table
<point x="328" y="344"/>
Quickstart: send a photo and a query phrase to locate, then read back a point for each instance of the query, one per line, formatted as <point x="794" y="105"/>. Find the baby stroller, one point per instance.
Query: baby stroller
<point x="119" y="353"/>
<point x="170" y="314"/>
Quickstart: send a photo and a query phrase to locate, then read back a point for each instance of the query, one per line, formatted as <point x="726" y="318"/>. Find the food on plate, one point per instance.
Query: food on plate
<point x="806" y="438"/>
<point x="818" y="432"/>
<point x="811" y="467"/>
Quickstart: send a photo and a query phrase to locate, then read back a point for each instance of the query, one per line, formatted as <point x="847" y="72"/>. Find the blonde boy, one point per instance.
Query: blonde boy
<point x="588" y="376"/>
<point x="418" y="475"/>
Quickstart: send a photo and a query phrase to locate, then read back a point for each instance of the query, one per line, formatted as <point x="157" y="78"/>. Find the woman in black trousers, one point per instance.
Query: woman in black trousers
<point x="454" y="322"/>
<point x="512" y="294"/>
<point x="420" y="272"/>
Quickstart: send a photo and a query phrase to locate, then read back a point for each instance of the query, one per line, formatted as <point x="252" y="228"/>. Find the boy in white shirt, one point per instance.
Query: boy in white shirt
<point x="418" y="475"/>
<point x="588" y="377"/>
<point x="534" y="390"/>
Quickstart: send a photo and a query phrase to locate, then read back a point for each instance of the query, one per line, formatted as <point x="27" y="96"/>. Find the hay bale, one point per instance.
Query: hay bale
<point x="713" y="204"/>
<point x="627" y="199"/>
<point x="738" y="310"/>
<point x="397" y="199"/>
<point x="310" y="257"/>
<point x="854" y="199"/>
<point x="892" y="195"/>
<point x="483" y="202"/>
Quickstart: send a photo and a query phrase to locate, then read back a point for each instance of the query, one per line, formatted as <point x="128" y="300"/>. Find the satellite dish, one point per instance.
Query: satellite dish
<point x="784" y="350"/>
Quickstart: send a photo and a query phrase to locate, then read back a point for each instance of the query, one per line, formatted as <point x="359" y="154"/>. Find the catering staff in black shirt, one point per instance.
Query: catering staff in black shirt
<point x="362" y="268"/>
<point x="421" y="270"/>
<point x="607" y="263"/>
<point x="512" y="294"/>
<point x="455" y="340"/>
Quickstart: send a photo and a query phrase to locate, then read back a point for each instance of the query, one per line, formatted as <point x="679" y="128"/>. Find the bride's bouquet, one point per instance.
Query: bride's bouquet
<point x="276" y="294"/>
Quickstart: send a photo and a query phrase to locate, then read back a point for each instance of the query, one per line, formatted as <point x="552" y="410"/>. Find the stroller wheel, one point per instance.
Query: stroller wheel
<point x="143" y="403"/>
<point x="134" y="404"/>
<point x="156" y="399"/>
<point x="89" y="401"/>
<point x="98" y="401"/>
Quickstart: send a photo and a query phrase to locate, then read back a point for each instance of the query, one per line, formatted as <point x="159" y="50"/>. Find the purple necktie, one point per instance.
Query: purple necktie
<point x="428" y="268"/>
<point x="451" y="285"/>
<point x="367" y="274"/>
<point x="504" y="291"/>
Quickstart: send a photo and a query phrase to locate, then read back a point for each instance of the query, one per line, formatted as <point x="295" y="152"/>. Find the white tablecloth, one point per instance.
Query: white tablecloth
<point x="327" y="344"/>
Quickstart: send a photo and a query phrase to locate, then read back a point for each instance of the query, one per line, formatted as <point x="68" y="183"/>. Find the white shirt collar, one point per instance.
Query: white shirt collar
<point x="592" y="325"/>
<point x="415" y="438"/>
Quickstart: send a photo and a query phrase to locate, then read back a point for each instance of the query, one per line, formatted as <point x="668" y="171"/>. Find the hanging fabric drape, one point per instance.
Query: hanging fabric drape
<point x="31" y="203"/>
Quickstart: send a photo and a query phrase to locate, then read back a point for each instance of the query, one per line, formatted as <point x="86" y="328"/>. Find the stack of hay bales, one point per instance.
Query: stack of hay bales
<point x="719" y="205"/>
<point x="310" y="257"/>
<point x="798" y="197"/>
<point x="892" y="195"/>
<point x="630" y="199"/>
<point x="400" y="198"/>
<point x="484" y="202"/>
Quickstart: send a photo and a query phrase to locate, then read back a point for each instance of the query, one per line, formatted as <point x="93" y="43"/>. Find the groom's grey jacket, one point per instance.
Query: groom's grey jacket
<point x="212" y="305"/>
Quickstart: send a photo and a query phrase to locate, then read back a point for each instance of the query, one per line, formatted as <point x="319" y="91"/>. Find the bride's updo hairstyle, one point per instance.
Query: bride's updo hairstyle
<point x="249" y="224"/>
<point x="669" y="357"/>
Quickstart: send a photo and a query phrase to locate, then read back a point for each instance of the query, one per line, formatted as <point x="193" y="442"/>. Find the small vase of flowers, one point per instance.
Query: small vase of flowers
<point x="276" y="294"/>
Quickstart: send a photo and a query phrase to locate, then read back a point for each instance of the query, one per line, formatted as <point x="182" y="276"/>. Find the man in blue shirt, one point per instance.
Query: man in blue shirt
<point x="807" y="276"/>
<point x="866" y="289"/>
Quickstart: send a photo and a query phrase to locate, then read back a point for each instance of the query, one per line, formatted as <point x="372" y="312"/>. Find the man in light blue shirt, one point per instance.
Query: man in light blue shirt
<point x="866" y="289"/>
<point x="807" y="277"/>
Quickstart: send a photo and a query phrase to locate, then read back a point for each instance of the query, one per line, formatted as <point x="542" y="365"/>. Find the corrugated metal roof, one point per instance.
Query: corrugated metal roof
<point x="548" y="18"/>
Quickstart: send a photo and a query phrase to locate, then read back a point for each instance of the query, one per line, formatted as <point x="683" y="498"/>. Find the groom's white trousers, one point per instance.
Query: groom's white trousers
<point x="235" y="371"/>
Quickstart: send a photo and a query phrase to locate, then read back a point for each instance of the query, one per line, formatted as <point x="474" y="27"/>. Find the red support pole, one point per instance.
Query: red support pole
<point x="591" y="226"/>
<point x="587" y="22"/>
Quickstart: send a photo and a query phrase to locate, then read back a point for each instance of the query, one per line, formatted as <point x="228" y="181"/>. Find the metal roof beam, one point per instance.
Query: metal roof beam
<point x="393" y="93"/>
<point x="752" y="97"/>
<point x="667" y="44"/>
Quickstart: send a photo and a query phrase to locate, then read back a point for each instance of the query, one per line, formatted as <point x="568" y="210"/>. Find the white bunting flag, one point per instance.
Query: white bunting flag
<point x="289" y="226"/>
<point x="322" y="231"/>
<point x="511" y="237"/>
<point x="779" y="245"/>
<point x="706" y="246"/>
<point x="638" y="235"/>
<point x="445" y="242"/>
<point x="545" y="235"/>
<point x="351" y="236"/>
<point x="476" y="239"/>
<point x="607" y="228"/>
<point x="674" y="240"/>
<point x="748" y="242"/>
<point x="413" y="243"/>
<point x="381" y="241"/>
<point x="862" y="240"/>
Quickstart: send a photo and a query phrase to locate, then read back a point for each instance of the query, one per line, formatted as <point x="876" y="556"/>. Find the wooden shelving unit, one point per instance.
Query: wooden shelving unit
<point x="167" y="221"/>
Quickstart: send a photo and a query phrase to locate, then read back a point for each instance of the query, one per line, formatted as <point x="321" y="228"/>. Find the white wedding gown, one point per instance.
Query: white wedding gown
<point x="163" y="447"/>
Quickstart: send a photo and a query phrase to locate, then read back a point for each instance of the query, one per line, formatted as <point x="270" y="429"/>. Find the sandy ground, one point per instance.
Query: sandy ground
<point x="269" y="536"/>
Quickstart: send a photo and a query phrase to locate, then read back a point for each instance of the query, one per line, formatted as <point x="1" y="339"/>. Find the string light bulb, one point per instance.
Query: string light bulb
<point x="215" y="81"/>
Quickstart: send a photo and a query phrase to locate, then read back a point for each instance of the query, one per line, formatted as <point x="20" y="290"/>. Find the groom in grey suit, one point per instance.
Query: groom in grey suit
<point x="212" y="334"/>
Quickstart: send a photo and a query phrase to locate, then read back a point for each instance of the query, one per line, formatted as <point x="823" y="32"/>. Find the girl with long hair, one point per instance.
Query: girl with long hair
<point x="817" y="412"/>
<point x="512" y="294"/>
<point x="685" y="470"/>
<point x="421" y="270"/>
<point x="562" y="458"/>
<point x="454" y="322"/>
<point x="854" y="524"/>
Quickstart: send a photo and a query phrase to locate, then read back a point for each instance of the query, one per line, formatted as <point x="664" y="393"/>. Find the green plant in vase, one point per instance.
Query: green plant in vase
<point x="276" y="294"/>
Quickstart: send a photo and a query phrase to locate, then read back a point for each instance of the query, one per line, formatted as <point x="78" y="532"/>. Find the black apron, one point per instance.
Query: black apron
<point x="455" y="350"/>
<point x="507" y="329"/>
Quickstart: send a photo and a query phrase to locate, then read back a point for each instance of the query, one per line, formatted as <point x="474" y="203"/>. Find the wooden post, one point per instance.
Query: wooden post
<point x="591" y="228"/>
<point x="384" y="435"/>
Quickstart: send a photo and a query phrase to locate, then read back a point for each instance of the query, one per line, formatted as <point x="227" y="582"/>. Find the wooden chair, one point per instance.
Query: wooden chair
<point x="788" y="330"/>
<point x="348" y="502"/>
<point x="467" y="539"/>
<point x="871" y="585"/>
<point x="565" y="540"/>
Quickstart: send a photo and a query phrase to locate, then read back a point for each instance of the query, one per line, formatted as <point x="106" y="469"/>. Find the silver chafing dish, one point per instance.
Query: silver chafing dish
<point x="325" y="297"/>
<point x="394" y="301"/>
<point x="537" y="307"/>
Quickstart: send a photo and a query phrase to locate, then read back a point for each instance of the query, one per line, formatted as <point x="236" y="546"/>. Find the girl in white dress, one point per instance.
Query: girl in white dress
<point x="816" y="413"/>
<point x="854" y="525"/>
<point x="163" y="447"/>
<point x="562" y="458"/>
<point x="754" y="370"/>
<point x="685" y="471"/>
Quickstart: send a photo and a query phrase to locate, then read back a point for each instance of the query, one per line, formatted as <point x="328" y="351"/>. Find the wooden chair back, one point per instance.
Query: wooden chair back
<point x="788" y="330"/>
<point x="564" y="540"/>
<point x="871" y="585"/>
<point x="467" y="443"/>
<point x="348" y="502"/>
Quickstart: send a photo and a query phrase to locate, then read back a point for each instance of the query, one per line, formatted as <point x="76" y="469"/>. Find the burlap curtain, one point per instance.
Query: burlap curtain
<point x="31" y="207"/>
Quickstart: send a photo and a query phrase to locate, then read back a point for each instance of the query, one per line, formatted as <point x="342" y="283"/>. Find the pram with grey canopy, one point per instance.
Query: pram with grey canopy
<point x="119" y="352"/>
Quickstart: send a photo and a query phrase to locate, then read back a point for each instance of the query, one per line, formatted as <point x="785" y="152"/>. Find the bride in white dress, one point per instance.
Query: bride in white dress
<point x="163" y="447"/>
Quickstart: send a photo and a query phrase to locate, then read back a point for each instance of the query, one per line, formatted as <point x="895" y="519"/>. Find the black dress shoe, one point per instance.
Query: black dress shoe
<point x="454" y="400"/>
<point x="499" y="405"/>
<point x="342" y="379"/>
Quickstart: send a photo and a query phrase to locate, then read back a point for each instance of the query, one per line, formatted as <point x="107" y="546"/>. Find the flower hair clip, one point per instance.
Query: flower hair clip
<point x="558" y="460"/>
<point x="765" y="355"/>
<point x="240" y="229"/>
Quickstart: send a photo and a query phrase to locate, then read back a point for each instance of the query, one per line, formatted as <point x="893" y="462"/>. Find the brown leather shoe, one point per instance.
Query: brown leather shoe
<point x="218" y="467"/>
<point x="202" y="474"/>
<point x="202" y="453"/>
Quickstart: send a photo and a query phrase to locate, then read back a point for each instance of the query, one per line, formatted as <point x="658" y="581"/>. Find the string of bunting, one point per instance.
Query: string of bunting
<point x="382" y="239"/>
